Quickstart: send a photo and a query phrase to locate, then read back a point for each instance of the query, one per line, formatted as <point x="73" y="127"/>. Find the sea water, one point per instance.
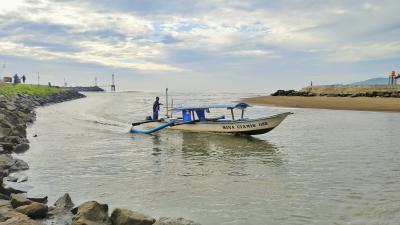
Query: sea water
<point x="317" y="167"/>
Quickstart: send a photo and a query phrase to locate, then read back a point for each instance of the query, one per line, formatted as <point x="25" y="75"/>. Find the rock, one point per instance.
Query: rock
<point x="16" y="188"/>
<point x="22" y="178"/>
<point x="4" y="197"/>
<point x="174" y="221"/>
<point x="17" y="218"/>
<point x="8" y="147"/>
<point x="127" y="217"/>
<point x="4" y="132"/>
<point x="34" y="210"/>
<point x="11" y="107"/>
<point x="13" y="139"/>
<point x="18" y="200"/>
<point x="64" y="202"/>
<point x="10" y="190"/>
<point x="89" y="213"/>
<point x="19" y="165"/>
<point x="39" y="199"/>
<point x="23" y="147"/>
<point x="6" y="161"/>
<point x="17" y="177"/>
<point x="12" y="178"/>
<point x="61" y="213"/>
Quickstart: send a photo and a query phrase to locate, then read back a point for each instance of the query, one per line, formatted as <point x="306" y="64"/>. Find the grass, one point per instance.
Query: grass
<point x="10" y="90"/>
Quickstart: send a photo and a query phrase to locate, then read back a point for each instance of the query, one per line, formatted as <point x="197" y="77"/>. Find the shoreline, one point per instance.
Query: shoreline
<point x="17" y="206"/>
<point x="376" y="104"/>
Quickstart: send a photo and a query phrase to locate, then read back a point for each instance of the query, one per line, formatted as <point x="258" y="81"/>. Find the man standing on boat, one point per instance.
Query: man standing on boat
<point x="156" y="108"/>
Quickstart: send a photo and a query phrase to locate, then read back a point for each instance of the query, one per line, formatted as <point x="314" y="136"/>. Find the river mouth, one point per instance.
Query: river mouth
<point x="317" y="167"/>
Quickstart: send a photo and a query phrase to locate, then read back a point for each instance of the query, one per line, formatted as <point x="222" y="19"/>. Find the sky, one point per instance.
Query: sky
<point x="218" y="45"/>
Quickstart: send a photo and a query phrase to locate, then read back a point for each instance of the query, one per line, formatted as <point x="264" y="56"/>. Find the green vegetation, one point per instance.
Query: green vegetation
<point x="33" y="90"/>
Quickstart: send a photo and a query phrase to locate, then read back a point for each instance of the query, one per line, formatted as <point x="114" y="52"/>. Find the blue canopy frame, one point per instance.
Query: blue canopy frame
<point x="188" y="111"/>
<point x="241" y="105"/>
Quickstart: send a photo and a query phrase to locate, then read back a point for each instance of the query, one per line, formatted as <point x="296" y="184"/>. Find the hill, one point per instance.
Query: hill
<point x="373" y="81"/>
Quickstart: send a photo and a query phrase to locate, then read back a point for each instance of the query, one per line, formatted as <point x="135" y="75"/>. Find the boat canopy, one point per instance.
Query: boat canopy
<point x="241" y="105"/>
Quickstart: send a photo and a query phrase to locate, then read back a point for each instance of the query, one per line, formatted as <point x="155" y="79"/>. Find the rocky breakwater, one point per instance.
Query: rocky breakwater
<point x="293" y="93"/>
<point x="310" y="93"/>
<point x="16" y="112"/>
<point x="17" y="207"/>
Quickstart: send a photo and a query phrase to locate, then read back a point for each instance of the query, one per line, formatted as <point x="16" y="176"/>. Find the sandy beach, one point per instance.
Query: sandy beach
<point x="339" y="103"/>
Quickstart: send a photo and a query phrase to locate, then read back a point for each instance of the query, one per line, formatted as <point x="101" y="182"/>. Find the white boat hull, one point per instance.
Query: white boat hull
<point x="246" y="127"/>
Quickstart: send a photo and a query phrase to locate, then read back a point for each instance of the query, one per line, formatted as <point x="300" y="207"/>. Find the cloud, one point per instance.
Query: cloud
<point x="49" y="30"/>
<point x="366" y="52"/>
<point x="251" y="53"/>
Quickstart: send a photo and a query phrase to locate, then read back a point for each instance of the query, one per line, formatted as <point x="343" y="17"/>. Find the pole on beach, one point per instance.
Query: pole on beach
<point x="172" y="106"/>
<point x="166" y="100"/>
<point x="113" y="83"/>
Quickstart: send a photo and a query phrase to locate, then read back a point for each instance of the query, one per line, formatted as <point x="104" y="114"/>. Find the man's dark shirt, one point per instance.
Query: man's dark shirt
<point x="156" y="106"/>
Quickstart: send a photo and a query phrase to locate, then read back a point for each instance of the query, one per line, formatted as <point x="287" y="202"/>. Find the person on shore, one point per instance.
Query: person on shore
<point x="156" y="108"/>
<point x="23" y="78"/>
<point x="16" y="79"/>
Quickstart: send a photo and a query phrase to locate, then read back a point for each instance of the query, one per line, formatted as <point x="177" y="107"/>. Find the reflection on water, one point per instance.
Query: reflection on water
<point x="227" y="147"/>
<point x="317" y="167"/>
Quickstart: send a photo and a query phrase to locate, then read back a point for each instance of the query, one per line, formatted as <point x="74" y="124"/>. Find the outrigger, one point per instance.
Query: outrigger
<point x="194" y="119"/>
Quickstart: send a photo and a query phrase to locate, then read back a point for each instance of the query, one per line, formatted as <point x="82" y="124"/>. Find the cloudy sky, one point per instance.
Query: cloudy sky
<point x="210" y="45"/>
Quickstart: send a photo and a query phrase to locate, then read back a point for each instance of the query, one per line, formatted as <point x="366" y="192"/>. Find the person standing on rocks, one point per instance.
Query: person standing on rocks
<point x="16" y="79"/>
<point x="23" y="78"/>
<point x="156" y="108"/>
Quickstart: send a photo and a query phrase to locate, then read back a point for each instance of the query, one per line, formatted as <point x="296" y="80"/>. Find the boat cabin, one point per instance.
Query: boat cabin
<point x="189" y="113"/>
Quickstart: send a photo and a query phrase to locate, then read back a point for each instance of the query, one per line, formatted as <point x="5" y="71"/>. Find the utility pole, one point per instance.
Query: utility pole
<point x="113" y="84"/>
<point x="38" y="79"/>
<point x="95" y="81"/>
<point x="65" y="82"/>
<point x="166" y="100"/>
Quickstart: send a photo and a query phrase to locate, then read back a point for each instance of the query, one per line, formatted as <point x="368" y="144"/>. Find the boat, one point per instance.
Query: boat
<point x="194" y="119"/>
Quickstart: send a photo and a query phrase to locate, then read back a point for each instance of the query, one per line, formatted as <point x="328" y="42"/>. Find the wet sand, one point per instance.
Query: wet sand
<point x="340" y="103"/>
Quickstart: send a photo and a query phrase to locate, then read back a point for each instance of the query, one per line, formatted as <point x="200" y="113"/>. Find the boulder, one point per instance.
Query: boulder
<point x="12" y="178"/>
<point x="20" y="219"/>
<point x="34" y="210"/>
<point x="61" y="213"/>
<point x="128" y="217"/>
<point x="22" y="178"/>
<point x="38" y="198"/>
<point x="4" y="132"/>
<point x="174" y="221"/>
<point x="89" y="213"/>
<point x="13" y="139"/>
<point x="11" y="107"/>
<point x="64" y="202"/>
<point x="6" y="161"/>
<point x="19" y="165"/>
<point x="20" y="148"/>
<point x="7" y="147"/>
<point x="17" y="177"/>
<point x="16" y="188"/>
<point x="4" y="197"/>
<point x="18" y="200"/>
<point x="8" y="190"/>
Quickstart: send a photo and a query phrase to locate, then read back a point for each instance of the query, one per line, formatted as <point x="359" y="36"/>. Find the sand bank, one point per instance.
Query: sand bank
<point x="341" y="103"/>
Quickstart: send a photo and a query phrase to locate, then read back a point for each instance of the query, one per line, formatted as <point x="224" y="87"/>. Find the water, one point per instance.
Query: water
<point x="317" y="167"/>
